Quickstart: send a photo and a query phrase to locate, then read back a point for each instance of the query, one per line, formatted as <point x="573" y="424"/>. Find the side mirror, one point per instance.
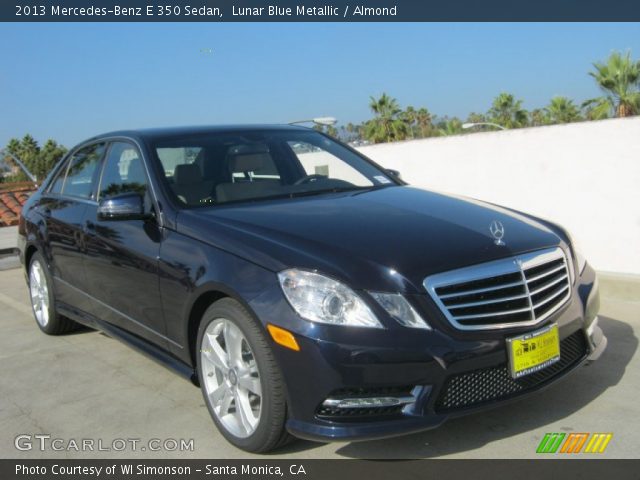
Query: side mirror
<point x="394" y="173"/>
<point x="127" y="206"/>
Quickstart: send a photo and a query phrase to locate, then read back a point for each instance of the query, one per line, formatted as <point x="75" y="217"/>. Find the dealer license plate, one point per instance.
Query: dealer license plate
<point x="533" y="351"/>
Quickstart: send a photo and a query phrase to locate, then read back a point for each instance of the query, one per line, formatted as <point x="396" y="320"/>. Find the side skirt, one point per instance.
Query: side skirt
<point x="150" y="350"/>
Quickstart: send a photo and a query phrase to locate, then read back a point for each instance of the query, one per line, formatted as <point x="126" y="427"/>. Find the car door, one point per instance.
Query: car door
<point x="121" y="256"/>
<point x="63" y="207"/>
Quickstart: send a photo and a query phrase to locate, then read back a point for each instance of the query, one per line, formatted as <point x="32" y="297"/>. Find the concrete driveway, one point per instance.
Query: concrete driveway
<point x="89" y="386"/>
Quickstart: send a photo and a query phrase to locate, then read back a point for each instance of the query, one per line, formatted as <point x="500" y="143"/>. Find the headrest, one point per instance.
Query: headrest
<point x="187" y="173"/>
<point x="248" y="158"/>
<point x="249" y="162"/>
<point x="135" y="172"/>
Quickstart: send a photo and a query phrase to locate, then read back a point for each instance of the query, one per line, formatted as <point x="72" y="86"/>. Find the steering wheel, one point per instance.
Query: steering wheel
<point x="309" y="178"/>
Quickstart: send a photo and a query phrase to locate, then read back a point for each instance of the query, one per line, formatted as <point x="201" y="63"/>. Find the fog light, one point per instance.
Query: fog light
<point x="368" y="402"/>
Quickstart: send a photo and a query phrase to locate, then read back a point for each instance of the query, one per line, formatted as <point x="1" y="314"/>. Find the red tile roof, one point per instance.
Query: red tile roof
<point x="12" y="198"/>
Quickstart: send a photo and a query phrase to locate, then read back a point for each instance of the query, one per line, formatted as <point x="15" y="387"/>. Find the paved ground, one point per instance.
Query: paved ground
<point x="8" y="238"/>
<point x="87" y="385"/>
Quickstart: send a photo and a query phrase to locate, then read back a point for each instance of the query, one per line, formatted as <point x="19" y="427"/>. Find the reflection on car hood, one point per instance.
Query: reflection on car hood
<point x="386" y="239"/>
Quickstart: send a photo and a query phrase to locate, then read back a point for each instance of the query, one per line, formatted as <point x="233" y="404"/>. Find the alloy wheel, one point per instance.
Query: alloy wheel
<point x="231" y="378"/>
<point x="39" y="293"/>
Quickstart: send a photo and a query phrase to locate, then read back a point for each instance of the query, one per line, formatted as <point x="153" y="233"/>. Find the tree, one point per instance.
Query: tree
<point x="328" y="129"/>
<point x="386" y="126"/>
<point x="508" y="112"/>
<point x="425" y="122"/>
<point x="450" y="126"/>
<point x="618" y="78"/>
<point x="474" y="117"/>
<point x="410" y="116"/>
<point x="538" y="117"/>
<point x="562" y="110"/>
<point x="39" y="161"/>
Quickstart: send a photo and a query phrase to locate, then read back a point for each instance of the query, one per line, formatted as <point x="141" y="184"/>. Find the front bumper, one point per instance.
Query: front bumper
<point x="448" y="372"/>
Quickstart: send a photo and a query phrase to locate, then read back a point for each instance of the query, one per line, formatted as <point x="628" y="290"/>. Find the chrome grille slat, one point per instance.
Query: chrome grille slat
<point x="493" y="314"/>
<point x="486" y="296"/>
<point x="488" y="302"/>
<point x="482" y="290"/>
<point x="546" y="274"/>
<point x="548" y="299"/>
<point x="547" y="285"/>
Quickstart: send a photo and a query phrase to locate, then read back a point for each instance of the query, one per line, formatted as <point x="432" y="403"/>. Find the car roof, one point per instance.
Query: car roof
<point x="154" y="133"/>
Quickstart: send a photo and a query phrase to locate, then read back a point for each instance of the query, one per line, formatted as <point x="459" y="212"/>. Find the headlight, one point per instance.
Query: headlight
<point x="321" y="299"/>
<point x="400" y="309"/>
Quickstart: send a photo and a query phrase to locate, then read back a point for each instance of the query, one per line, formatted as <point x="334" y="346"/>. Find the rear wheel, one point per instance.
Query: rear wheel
<point x="240" y="380"/>
<point x="43" y="299"/>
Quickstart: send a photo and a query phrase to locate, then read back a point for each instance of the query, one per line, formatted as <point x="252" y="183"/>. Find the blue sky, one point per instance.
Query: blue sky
<point x="71" y="81"/>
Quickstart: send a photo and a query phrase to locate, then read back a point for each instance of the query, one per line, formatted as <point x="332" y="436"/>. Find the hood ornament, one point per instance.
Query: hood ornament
<point x="497" y="231"/>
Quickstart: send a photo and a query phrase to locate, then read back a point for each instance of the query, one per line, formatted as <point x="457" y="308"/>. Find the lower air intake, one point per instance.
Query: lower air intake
<point x="492" y="384"/>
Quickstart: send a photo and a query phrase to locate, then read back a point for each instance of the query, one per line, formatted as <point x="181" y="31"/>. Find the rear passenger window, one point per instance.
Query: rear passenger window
<point x="123" y="171"/>
<point x="82" y="167"/>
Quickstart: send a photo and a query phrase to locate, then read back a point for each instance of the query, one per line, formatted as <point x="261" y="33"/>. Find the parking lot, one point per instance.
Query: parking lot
<point x="87" y="385"/>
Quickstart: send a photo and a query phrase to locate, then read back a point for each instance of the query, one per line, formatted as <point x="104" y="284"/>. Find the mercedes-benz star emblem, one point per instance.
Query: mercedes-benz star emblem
<point x="497" y="230"/>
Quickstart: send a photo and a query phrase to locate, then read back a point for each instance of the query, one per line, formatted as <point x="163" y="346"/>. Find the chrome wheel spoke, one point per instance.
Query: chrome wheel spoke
<point x="214" y="353"/>
<point x="233" y="342"/>
<point x="250" y="383"/>
<point x="217" y="395"/>
<point x="244" y="414"/>
<point x="36" y="275"/>
<point x="225" y="401"/>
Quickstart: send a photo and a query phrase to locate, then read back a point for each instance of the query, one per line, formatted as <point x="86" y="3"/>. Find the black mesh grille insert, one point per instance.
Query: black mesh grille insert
<point x="491" y="384"/>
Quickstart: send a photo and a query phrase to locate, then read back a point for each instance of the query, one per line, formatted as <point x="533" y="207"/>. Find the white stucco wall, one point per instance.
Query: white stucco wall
<point x="585" y="176"/>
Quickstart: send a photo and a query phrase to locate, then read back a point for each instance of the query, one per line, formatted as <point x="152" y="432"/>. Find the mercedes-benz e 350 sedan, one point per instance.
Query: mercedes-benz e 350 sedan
<point x="305" y="289"/>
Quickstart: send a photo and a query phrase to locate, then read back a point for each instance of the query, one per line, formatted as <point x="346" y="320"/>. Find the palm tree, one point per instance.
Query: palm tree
<point x="450" y="126"/>
<point x="538" y="117"/>
<point x="386" y="126"/>
<point x="562" y="110"/>
<point x="409" y="116"/>
<point x="618" y="79"/>
<point x="476" y="118"/>
<point x="424" y="120"/>
<point x="508" y="112"/>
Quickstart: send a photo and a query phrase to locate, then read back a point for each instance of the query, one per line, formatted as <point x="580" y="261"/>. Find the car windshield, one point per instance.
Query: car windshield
<point x="218" y="168"/>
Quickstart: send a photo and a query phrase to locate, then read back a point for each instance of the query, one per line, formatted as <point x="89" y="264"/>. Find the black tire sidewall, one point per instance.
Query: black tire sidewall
<point x="273" y="413"/>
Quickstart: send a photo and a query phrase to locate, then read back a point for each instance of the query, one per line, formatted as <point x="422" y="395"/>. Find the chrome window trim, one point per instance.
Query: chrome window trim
<point x="510" y="265"/>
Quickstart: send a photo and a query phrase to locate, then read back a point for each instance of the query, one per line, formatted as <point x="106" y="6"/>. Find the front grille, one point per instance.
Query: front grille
<point x="514" y="292"/>
<point x="341" y="414"/>
<point x="491" y="384"/>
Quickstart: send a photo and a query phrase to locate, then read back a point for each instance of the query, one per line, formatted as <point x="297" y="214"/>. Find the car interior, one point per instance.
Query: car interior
<point x="238" y="169"/>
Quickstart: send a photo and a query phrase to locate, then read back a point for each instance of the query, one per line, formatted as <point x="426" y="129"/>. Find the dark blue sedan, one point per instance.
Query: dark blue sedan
<point x="305" y="289"/>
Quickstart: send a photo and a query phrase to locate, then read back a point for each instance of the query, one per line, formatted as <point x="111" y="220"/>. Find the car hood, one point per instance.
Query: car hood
<point x="388" y="239"/>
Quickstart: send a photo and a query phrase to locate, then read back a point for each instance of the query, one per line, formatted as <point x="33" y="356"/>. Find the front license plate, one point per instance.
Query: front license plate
<point x="533" y="351"/>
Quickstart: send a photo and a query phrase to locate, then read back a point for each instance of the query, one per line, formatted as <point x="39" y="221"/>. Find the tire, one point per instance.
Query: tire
<point x="43" y="299"/>
<point x="240" y="381"/>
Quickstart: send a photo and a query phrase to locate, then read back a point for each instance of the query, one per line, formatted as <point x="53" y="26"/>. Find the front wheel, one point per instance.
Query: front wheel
<point x="240" y="380"/>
